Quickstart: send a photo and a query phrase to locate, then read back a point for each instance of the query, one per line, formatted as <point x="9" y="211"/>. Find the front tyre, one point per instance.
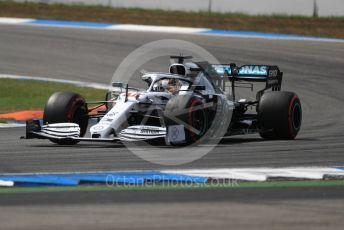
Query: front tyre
<point x="279" y="115"/>
<point x="64" y="107"/>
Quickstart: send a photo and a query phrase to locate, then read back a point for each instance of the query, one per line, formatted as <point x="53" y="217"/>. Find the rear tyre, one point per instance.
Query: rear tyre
<point x="279" y="115"/>
<point x="66" y="107"/>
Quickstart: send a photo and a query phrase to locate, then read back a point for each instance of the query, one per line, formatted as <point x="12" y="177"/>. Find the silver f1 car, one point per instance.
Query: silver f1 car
<point x="180" y="107"/>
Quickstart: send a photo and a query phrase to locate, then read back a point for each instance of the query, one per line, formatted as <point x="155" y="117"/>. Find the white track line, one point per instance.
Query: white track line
<point x="162" y="29"/>
<point x="5" y="20"/>
<point x="11" y="125"/>
<point x="262" y="174"/>
<point x="4" y="183"/>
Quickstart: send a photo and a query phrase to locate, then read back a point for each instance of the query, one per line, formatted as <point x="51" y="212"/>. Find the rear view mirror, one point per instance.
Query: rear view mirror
<point x="118" y="84"/>
<point x="198" y="87"/>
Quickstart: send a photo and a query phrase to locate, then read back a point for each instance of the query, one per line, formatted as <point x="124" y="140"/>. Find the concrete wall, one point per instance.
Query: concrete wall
<point x="288" y="7"/>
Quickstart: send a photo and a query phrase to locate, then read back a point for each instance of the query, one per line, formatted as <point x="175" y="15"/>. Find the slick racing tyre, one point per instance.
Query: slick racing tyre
<point x="197" y="119"/>
<point x="66" y="107"/>
<point x="187" y="110"/>
<point x="279" y="115"/>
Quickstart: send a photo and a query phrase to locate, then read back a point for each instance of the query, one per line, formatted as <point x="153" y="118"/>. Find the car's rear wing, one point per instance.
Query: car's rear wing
<point x="253" y="73"/>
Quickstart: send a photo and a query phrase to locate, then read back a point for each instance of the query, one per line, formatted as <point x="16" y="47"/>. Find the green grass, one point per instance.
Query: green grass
<point x="246" y="185"/>
<point x="18" y="95"/>
<point x="320" y="26"/>
<point x="3" y="120"/>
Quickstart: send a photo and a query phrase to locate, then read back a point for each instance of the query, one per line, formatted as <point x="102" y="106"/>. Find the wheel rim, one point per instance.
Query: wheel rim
<point x="77" y="113"/>
<point x="79" y="118"/>
<point x="197" y="119"/>
<point x="296" y="116"/>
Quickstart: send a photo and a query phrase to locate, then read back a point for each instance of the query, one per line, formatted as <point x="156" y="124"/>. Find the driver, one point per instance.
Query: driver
<point x="173" y="86"/>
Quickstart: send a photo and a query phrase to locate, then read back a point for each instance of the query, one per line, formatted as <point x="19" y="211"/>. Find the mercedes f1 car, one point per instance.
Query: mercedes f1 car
<point x="190" y="102"/>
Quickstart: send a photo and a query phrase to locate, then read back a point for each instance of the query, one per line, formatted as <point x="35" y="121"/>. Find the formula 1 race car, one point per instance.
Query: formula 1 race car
<point x="191" y="102"/>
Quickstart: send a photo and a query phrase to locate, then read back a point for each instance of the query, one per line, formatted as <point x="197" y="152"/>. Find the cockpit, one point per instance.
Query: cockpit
<point x="170" y="85"/>
<point x="182" y="77"/>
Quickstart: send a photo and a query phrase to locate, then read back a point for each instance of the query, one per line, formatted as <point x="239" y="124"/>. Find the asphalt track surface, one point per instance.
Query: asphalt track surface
<point x="273" y="208"/>
<point x="314" y="70"/>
